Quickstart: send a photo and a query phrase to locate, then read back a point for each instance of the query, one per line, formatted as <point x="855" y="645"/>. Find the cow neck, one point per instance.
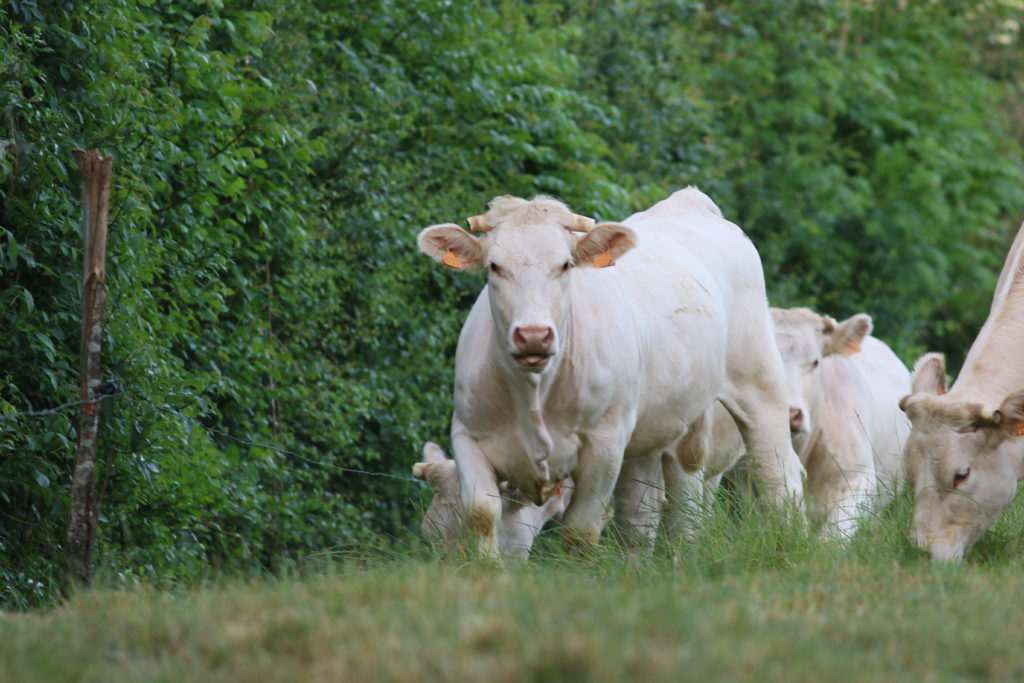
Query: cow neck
<point x="539" y="436"/>
<point x="990" y="372"/>
<point x="817" y="409"/>
<point x="816" y="444"/>
<point x="529" y="395"/>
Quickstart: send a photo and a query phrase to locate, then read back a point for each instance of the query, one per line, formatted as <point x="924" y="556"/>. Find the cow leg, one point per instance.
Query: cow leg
<point x="684" y="493"/>
<point x="593" y="485"/>
<point x="843" y="493"/>
<point x="639" y="497"/>
<point x="711" y="485"/>
<point x="481" y="498"/>
<point x="761" y="413"/>
<point x="844" y="516"/>
<point x="520" y="524"/>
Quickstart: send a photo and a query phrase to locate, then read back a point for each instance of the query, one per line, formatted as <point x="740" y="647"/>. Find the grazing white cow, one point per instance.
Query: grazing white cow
<point x="444" y="522"/>
<point x="965" y="453"/>
<point x="569" y="367"/>
<point x="845" y="387"/>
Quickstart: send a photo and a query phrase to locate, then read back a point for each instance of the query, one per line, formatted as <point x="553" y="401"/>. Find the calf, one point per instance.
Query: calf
<point x="444" y="523"/>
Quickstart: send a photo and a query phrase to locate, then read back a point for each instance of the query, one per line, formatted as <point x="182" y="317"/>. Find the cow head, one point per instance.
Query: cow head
<point x="529" y="251"/>
<point x="962" y="459"/>
<point x="804" y="338"/>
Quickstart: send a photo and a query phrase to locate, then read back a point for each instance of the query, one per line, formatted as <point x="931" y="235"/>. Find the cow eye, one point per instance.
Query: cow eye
<point x="961" y="476"/>
<point x="816" y="363"/>
<point x="494" y="268"/>
<point x="566" y="266"/>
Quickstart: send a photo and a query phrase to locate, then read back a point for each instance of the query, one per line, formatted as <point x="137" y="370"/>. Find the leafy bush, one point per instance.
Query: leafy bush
<point x="275" y="332"/>
<point x="859" y="146"/>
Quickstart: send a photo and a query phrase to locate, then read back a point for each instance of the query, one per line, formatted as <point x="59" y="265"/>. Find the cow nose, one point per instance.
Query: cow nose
<point x="533" y="339"/>
<point x="796" y="419"/>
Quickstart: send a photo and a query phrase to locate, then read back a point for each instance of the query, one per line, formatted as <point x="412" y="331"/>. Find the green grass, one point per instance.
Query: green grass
<point x="753" y="597"/>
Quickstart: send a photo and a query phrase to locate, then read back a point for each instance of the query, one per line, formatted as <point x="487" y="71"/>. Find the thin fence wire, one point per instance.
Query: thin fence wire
<point x="192" y="423"/>
<point x="6" y="417"/>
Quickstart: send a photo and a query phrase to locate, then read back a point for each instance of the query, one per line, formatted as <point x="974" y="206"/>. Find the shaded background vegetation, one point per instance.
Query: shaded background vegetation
<point x="270" y="321"/>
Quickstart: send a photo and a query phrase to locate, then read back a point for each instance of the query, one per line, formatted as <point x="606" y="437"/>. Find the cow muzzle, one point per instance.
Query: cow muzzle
<point x="943" y="547"/>
<point x="797" y="420"/>
<point x="947" y="553"/>
<point x="534" y="346"/>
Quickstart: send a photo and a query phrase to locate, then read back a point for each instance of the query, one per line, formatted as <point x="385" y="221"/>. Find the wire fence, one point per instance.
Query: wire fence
<point x="8" y="417"/>
<point x="114" y="390"/>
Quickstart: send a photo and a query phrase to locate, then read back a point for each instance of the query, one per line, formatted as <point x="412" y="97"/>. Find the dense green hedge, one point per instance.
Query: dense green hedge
<point x="269" y="319"/>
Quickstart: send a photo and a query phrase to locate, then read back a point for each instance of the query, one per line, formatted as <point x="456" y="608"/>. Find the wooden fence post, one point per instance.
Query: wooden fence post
<point x="83" y="508"/>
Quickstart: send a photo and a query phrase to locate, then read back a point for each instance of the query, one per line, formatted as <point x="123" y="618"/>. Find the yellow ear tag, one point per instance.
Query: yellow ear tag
<point x="450" y="259"/>
<point x="603" y="259"/>
<point x="1018" y="428"/>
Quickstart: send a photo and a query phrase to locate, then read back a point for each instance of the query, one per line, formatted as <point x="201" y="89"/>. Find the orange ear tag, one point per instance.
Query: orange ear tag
<point x="940" y="391"/>
<point x="603" y="259"/>
<point x="1018" y="428"/>
<point x="450" y="259"/>
<point x="557" y="490"/>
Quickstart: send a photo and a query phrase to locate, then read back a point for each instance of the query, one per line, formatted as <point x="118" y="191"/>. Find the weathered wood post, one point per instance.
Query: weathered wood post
<point x="83" y="508"/>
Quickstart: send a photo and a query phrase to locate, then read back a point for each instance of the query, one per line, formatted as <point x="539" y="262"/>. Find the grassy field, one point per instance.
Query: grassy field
<point x="752" y="598"/>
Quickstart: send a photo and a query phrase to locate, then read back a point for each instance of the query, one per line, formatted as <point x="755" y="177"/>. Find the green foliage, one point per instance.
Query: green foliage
<point x="275" y="331"/>
<point x="858" y="145"/>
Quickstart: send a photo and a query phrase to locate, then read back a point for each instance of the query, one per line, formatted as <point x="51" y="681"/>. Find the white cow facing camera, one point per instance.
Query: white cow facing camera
<point x="593" y="348"/>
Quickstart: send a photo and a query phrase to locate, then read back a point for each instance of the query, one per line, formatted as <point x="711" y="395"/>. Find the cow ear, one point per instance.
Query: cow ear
<point x="848" y="335"/>
<point x="1010" y="415"/>
<point x="442" y="476"/>
<point x="451" y="245"/>
<point x="929" y="374"/>
<point x="433" y="453"/>
<point x="603" y="245"/>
